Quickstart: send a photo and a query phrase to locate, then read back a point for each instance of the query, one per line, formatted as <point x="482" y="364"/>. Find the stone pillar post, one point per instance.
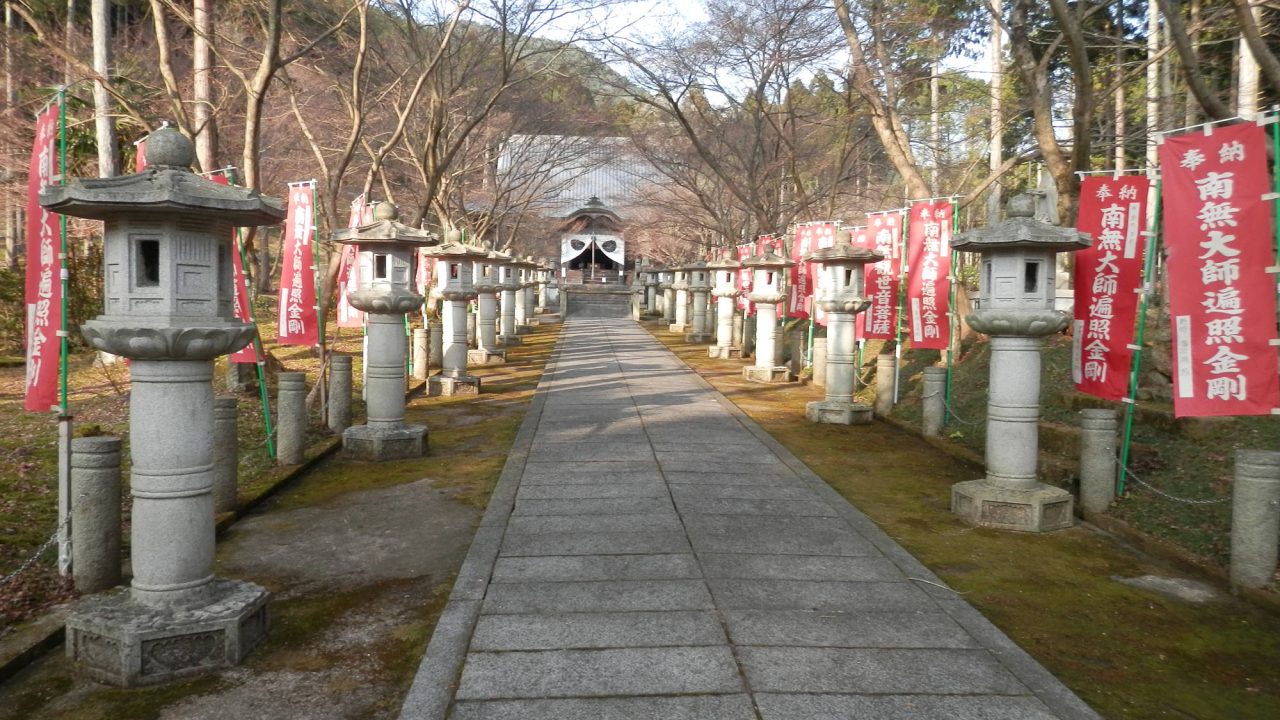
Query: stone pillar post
<point x="886" y="375"/>
<point x="699" y="333"/>
<point x="384" y="370"/>
<point x="750" y="327"/>
<point x="668" y="305"/>
<point x="521" y="310"/>
<point x="841" y="299"/>
<point x="1097" y="459"/>
<point x="530" y="304"/>
<point x="435" y="346"/>
<point x="1013" y="411"/>
<point x="95" y="513"/>
<point x="933" y="400"/>
<point x="766" y="368"/>
<point x="1255" y="517"/>
<point x="421" y="354"/>
<point x="820" y="361"/>
<point x="726" y="323"/>
<point x="340" y="391"/>
<point x="681" y="323"/>
<point x="510" y="333"/>
<point x="453" y="378"/>
<point x="472" y="332"/>
<point x="226" y="453"/>
<point x="650" y="298"/>
<point x="739" y="328"/>
<point x="487" y="351"/>
<point x="291" y="423"/>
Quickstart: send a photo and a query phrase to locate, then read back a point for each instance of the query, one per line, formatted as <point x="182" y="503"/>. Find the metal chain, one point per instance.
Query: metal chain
<point x="53" y="539"/>
<point x="947" y="406"/>
<point x="1169" y="496"/>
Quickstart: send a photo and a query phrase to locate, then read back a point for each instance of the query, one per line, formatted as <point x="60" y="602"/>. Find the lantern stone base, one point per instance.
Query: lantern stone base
<point x="442" y="385"/>
<point x="1039" y="509"/>
<point x="523" y="329"/>
<point x="771" y="374"/>
<point x="679" y="327"/>
<point x="724" y="353"/>
<point x="481" y="356"/>
<point x="119" y="642"/>
<point x="384" y="443"/>
<point x="697" y="337"/>
<point x="837" y="413"/>
<point x="510" y="340"/>
<point x="533" y="322"/>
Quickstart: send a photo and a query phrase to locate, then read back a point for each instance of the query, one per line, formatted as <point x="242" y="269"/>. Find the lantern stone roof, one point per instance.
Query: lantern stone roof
<point x="1020" y="229"/>
<point x="384" y="230"/>
<point x="499" y="258"/>
<point x="166" y="186"/>
<point x="843" y="253"/>
<point x="459" y="251"/>
<point x="724" y="263"/>
<point x="768" y="259"/>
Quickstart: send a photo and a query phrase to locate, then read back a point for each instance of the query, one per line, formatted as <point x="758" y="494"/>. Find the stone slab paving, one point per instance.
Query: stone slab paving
<point x="649" y="552"/>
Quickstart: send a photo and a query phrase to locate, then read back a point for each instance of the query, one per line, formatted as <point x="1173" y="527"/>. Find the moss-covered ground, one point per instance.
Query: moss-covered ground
<point x="381" y="628"/>
<point x="1127" y="652"/>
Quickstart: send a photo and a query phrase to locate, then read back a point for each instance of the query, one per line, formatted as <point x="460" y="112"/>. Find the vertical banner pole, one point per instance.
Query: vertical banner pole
<point x="902" y="302"/>
<point x="953" y="331"/>
<point x="1148" y="285"/>
<point x="259" y="352"/>
<point x="1275" y="187"/>
<point x="64" y="414"/>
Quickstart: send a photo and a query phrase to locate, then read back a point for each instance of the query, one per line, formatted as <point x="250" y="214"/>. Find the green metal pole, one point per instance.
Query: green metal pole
<point x="1275" y="177"/>
<point x="953" y="331"/>
<point x="1148" y="280"/>
<point x="258" y="353"/>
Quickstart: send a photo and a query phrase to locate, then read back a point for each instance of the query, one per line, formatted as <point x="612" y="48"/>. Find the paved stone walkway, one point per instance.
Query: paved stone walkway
<point x="651" y="553"/>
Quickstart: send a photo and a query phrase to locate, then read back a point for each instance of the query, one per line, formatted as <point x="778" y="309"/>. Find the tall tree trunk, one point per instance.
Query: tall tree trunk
<point x="935" y="123"/>
<point x="1250" y="74"/>
<point x="206" y="128"/>
<point x="104" y="121"/>
<point x="69" y="32"/>
<point x="1190" y="60"/>
<point x="1121" y="127"/>
<point x="996" y="150"/>
<point x="1249" y="21"/>
<point x="1153" y="83"/>
<point x="1191" y="108"/>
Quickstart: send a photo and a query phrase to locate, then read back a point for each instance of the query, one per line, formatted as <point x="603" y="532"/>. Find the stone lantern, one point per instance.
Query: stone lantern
<point x="1016" y="310"/>
<point x="699" y="287"/>
<point x="650" y="276"/>
<point x="455" y="268"/>
<point x="725" y="289"/>
<point x="385" y="253"/>
<point x="667" y="299"/>
<point x="524" y="292"/>
<point x="842" y="295"/>
<point x="167" y="292"/>
<point x="680" y="289"/>
<point x="543" y="277"/>
<point x="509" y="281"/>
<point x="488" y="287"/>
<point x="766" y="293"/>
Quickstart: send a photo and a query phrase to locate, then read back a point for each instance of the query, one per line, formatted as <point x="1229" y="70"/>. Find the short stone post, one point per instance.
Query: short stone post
<point x="340" y="392"/>
<point x="1255" y="518"/>
<point x="487" y="289"/>
<point x="668" y="297"/>
<point x="435" y="345"/>
<point x="737" y="329"/>
<point x="291" y="423"/>
<point x="472" y="334"/>
<point x="1097" y="459"/>
<point x="820" y="361"/>
<point x="749" y="335"/>
<point x="95" y="513"/>
<point x="886" y="376"/>
<point x="933" y="398"/>
<point x="421" y="354"/>
<point x="226" y="453"/>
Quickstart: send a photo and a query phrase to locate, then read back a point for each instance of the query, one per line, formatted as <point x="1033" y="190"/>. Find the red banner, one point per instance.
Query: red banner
<point x="240" y="306"/>
<point x="816" y="275"/>
<point x="1113" y="211"/>
<point x="349" y="272"/>
<point x="928" y="270"/>
<point x="801" y="276"/>
<point x="884" y="278"/>
<point x="1218" y="233"/>
<point x="297" y="304"/>
<point x="44" y="271"/>
<point x="140" y="155"/>
<point x="744" y="280"/>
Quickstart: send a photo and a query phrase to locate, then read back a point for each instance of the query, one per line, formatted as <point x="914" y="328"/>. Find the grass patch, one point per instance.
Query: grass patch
<point x="1128" y="653"/>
